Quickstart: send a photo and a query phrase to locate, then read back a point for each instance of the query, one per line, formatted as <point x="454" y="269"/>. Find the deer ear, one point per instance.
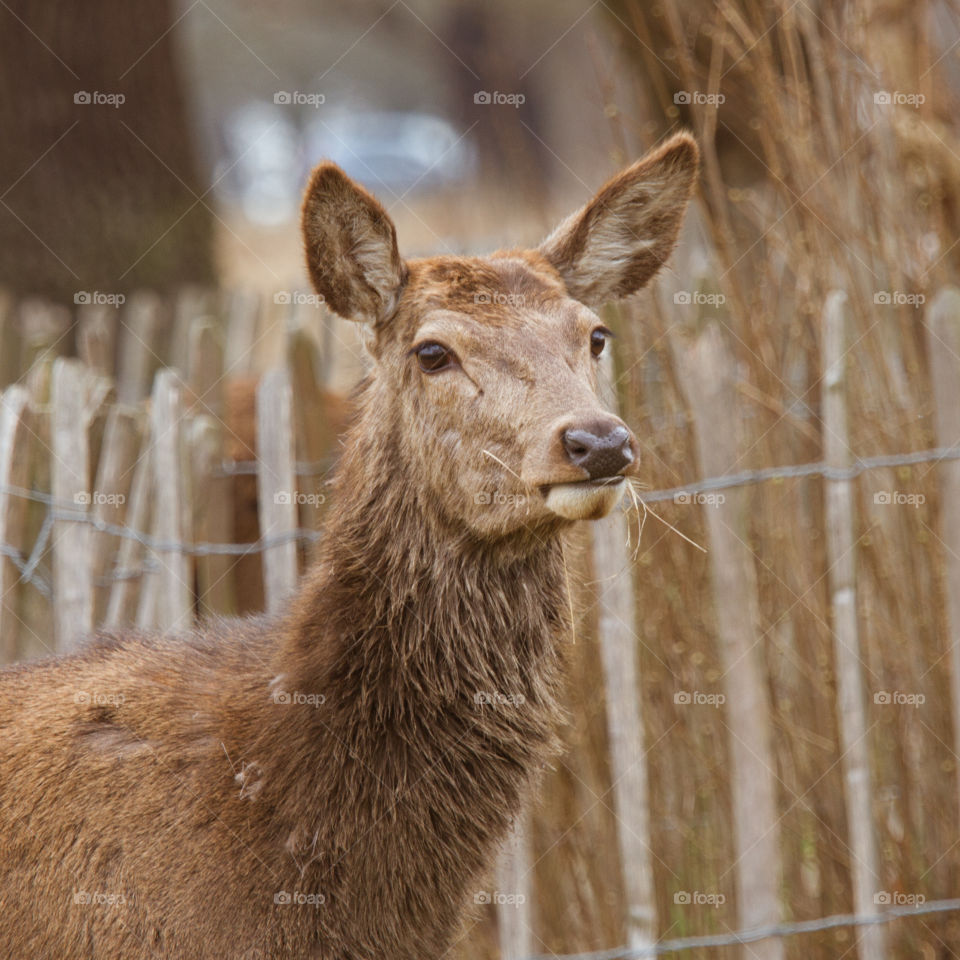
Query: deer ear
<point x="351" y="247"/>
<point x="617" y="242"/>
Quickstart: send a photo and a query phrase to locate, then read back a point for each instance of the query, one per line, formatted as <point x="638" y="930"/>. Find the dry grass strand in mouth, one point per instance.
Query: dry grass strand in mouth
<point x="638" y="500"/>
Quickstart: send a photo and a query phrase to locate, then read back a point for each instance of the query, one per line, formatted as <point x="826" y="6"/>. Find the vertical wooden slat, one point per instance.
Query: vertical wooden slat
<point x="243" y="320"/>
<point x="314" y="436"/>
<point x="709" y="377"/>
<point x="212" y="516"/>
<point x="16" y="451"/>
<point x="125" y="592"/>
<point x="617" y="626"/>
<point x="140" y="326"/>
<point x="172" y="585"/>
<point x="943" y="351"/>
<point x="10" y="339"/>
<point x="44" y="331"/>
<point x="514" y="903"/>
<point x="36" y="609"/>
<point x="121" y="444"/>
<point x="192" y="303"/>
<point x="205" y="367"/>
<point x="276" y="487"/>
<point x="841" y="571"/>
<point x="96" y="337"/>
<point x="77" y="397"/>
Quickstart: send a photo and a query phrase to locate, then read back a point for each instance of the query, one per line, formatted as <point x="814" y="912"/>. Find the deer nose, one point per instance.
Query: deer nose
<point x="601" y="448"/>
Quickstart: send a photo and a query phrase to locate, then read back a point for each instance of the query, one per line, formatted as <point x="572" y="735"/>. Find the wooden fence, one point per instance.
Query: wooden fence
<point x="119" y="505"/>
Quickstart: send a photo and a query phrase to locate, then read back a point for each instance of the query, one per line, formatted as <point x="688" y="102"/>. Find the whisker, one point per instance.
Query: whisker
<point x="502" y="464"/>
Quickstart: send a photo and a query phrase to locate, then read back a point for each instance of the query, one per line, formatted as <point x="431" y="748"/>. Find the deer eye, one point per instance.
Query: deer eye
<point x="598" y="340"/>
<point x="434" y="357"/>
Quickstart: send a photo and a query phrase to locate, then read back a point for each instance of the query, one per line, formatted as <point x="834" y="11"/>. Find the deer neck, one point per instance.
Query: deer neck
<point x="420" y="640"/>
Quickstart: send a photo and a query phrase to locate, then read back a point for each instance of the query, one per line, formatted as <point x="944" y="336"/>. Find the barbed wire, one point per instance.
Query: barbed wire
<point x="755" y="934"/>
<point x="30" y="570"/>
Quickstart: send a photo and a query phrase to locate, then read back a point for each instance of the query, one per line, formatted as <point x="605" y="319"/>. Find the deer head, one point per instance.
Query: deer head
<point x="485" y="368"/>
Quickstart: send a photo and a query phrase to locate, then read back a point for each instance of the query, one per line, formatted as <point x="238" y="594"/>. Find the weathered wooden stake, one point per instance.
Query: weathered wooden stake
<point x="276" y="487"/>
<point x="16" y="452"/>
<point x="617" y="635"/>
<point x="173" y="600"/>
<point x="841" y="571"/>
<point x="943" y="349"/>
<point x="78" y="397"/>
<point x="514" y="904"/>
<point x="709" y="377"/>
<point x="121" y="443"/>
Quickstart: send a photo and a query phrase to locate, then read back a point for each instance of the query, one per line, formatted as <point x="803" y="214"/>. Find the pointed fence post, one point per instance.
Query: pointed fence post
<point x="943" y="349"/>
<point x="841" y="574"/>
<point x="172" y="584"/>
<point x="78" y="396"/>
<point x="276" y="488"/>
<point x="16" y="453"/>
<point x="709" y="377"/>
<point x="514" y="903"/>
<point x="617" y="637"/>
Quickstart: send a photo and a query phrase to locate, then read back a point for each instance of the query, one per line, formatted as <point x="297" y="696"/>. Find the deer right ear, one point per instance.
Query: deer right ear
<point x="620" y="239"/>
<point x="351" y="247"/>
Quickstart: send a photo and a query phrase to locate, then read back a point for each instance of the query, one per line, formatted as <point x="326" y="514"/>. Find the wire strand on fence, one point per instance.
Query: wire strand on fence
<point x="754" y="934"/>
<point x="30" y="572"/>
<point x="816" y="469"/>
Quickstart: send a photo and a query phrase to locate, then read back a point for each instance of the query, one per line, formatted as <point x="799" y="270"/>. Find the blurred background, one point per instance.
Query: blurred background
<point x="762" y="732"/>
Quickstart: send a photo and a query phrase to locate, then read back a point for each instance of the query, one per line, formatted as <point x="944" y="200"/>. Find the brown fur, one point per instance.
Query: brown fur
<point x="341" y="750"/>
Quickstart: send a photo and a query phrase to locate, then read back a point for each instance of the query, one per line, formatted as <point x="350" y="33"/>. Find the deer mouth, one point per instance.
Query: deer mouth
<point x="584" y="499"/>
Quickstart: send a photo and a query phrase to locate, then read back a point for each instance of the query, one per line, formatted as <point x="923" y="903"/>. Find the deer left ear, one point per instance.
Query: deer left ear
<point x="620" y="239"/>
<point x="351" y="247"/>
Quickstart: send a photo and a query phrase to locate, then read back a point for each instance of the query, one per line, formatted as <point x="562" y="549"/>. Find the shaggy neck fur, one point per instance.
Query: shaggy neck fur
<point x="438" y="660"/>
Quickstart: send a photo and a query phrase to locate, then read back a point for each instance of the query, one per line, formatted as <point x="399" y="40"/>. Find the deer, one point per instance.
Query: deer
<point x="335" y="779"/>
